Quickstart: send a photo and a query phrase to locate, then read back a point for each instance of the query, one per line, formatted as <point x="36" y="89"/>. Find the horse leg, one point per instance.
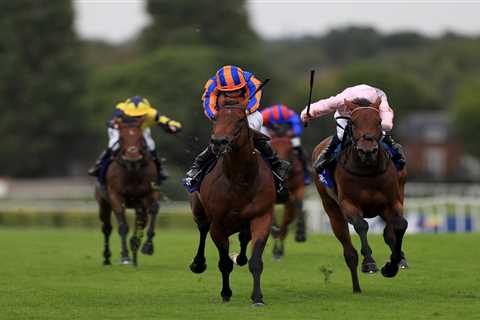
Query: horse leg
<point x="198" y="265"/>
<point x="395" y="228"/>
<point x="361" y="227"/>
<point x="279" y="244"/>
<point x="340" y="229"/>
<point x="147" y="247"/>
<point x="225" y="264"/>
<point x="244" y="237"/>
<point x="301" y="234"/>
<point x="105" y="217"/>
<point x="119" y="211"/>
<point x="136" y="239"/>
<point x="259" y="228"/>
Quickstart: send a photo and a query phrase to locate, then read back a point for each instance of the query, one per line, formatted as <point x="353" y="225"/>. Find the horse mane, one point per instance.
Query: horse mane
<point x="362" y="102"/>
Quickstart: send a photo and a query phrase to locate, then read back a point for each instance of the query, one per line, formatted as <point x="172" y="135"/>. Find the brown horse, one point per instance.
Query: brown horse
<point x="293" y="207"/>
<point x="129" y="184"/>
<point x="238" y="195"/>
<point x="367" y="185"/>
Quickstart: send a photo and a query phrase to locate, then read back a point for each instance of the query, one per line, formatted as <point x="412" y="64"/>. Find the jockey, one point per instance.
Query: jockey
<point x="362" y="94"/>
<point x="136" y="107"/>
<point x="280" y="114"/>
<point x="233" y="85"/>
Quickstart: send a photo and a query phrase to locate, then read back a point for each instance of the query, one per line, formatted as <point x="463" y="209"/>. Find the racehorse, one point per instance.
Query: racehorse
<point x="129" y="184"/>
<point x="238" y="195"/>
<point x="293" y="207"/>
<point x="367" y="185"/>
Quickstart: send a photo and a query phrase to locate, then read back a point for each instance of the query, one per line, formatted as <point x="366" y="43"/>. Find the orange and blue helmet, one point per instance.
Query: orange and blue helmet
<point x="230" y="78"/>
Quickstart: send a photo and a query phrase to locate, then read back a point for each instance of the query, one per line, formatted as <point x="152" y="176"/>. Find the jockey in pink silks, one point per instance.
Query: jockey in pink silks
<point x="362" y="95"/>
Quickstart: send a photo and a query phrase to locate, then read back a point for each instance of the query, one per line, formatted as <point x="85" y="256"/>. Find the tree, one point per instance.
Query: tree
<point x="40" y="83"/>
<point x="206" y="22"/>
<point x="465" y="111"/>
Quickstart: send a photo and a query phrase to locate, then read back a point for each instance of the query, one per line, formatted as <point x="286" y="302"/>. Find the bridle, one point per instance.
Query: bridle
<point x="349" y="127"/>
<point x="238" y="130"/>
<point x="132" y="164"/>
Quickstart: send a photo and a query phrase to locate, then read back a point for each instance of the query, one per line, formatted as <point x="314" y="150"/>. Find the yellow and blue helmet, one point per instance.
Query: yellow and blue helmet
<point x="135" y="107"/>
<point x="230" y="78"/>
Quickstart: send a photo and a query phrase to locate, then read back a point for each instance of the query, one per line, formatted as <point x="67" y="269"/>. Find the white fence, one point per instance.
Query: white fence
<point x="426" y="214"/>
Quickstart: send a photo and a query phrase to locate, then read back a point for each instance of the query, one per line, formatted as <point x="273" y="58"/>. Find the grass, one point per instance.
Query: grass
<point x="57" y="274"/>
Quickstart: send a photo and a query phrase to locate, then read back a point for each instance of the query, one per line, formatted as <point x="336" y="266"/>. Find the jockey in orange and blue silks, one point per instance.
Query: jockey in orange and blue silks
<point x="135" y="107"/>
<point x="280" y="114"/>
<point x="231" y="79"/>
<point x="231" y="84"/>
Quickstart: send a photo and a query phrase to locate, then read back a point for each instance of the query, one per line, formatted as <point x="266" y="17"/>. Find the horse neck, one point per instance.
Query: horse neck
<point x="240" y="165"/>
<point x="352" y="163"/>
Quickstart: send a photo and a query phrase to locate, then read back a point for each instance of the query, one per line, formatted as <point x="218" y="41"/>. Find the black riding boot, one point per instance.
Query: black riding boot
<point x="161" y="175"/>
<point x="399" y="156"/>
<point x="95" y="170"/>
<point x="303" y="159"/>
<point x="280" y="168"/>
<point x="199" y="163"/>
<point x="325" y="156"/>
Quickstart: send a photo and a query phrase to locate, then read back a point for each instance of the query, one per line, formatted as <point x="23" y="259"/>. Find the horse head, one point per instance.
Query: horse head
<point x="366" y="129"/>
<point x="230" y="129"/>
<point x="131" y="142"/>
<point x="283" y="146"/>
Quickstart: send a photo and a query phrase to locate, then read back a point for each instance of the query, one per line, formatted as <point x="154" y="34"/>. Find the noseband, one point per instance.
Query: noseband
<point x="349" y="128"/>
<point x="238" y="131"/>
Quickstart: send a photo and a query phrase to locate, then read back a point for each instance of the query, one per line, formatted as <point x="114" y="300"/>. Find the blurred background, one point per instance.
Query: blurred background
<point x="65" y="64"/>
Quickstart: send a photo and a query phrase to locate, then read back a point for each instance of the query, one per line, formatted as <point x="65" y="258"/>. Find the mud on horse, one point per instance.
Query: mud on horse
<point x="238" y="195"/>
<point x="130" y="181"/>
<point x="367" y="185"/>
<point x="293" y="207"/>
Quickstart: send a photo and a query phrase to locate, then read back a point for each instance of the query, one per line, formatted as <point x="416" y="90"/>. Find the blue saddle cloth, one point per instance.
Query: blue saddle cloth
<point x="326" y="176"/>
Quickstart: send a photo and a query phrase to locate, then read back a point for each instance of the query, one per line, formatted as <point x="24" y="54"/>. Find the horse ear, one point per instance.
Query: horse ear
<point x="350" y="105"/>
<point x="377" y="103"/>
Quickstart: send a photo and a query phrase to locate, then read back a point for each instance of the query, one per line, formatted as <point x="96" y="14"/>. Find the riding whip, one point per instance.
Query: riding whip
<point x="312" y="75"/>
<point x="259" y="88"/>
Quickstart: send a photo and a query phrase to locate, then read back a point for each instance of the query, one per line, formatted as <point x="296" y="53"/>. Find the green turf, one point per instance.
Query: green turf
<point x="57" y="274"/>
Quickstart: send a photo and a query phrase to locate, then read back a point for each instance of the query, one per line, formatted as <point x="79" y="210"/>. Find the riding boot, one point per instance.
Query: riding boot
<point x="325" y="156"/>
<point x="199" y="163"/>
<point x="307" y="179"/>
<point x="280" y="168"/>
<point x="161" y="175"/>
<point x="95" y="170"/>
<point x="399" y="156"/>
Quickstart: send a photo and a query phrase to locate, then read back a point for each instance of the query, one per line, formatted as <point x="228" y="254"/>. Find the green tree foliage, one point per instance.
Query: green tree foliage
<point x="207" y="22"/>
<point x="40" y="80"/>
<point x="465" y="111"/>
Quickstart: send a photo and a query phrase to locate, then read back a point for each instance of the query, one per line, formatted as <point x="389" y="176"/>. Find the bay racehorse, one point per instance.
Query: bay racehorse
<point x="293" y="207"/>
<point x="130" y="182"/>
<point x="238" y="195"/>
<point x="367" y="184"/>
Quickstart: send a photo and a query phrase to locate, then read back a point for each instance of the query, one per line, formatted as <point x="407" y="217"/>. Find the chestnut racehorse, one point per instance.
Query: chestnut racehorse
<point x="367" y="185"/>
<point x="293" y="207"/>
<point x="129" y="184"/>
<point x="238" y="195"/>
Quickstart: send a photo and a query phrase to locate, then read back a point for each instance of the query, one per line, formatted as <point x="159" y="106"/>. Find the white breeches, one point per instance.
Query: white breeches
<point x="255" y="120"/>
<point x="114" y="135"/>
<point x="340" y="122"/>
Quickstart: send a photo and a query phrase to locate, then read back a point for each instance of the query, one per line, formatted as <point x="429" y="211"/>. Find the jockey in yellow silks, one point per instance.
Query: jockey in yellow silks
<point x="135" y="107"/>
<point x="234" y="84"/>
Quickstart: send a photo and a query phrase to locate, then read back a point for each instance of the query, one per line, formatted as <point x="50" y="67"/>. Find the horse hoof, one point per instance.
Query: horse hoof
<point x="258" y="304"/>
<point x="198" y="267"/>
<point x="239" y="260"/>
<point x="147" y="248"/>
<point x="390" y="270"/>
<point x="226" y="299"/>
<point x="107" y="263"/>
<point x="300" y="238"/>
<point x="403" y="264"/>
<point x="125" y="261"/>
<point x="275" y="232"/>
<point x="370" y="267"/>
